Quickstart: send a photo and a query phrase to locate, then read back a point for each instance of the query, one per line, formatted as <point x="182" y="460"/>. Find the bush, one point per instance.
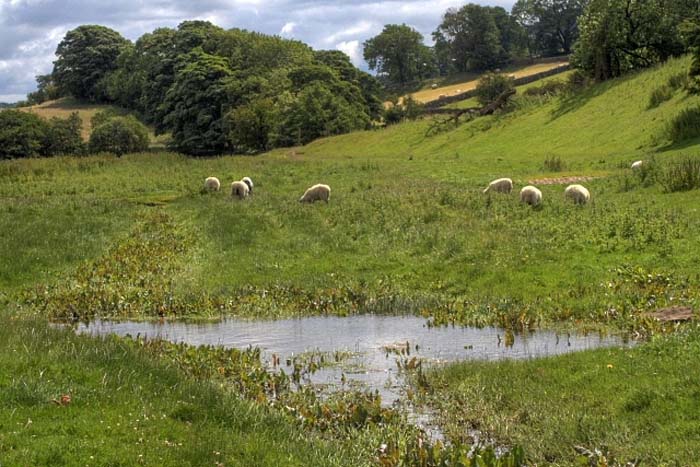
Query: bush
<point x="102" y="116"/>
<point x="63" y="136"/>
<point x="681" y="175"/>
<point x="686" y="125"/>
<point x="547" y="89"/>
<point x="119" y="135"/>
<point x="409" y="109"/>
<point x="22" y="134"/>
<point x="659" y="96"/>
<point x="553" y="164"/>
<point x="577" y="80"/>
<point x="492" y="85"/>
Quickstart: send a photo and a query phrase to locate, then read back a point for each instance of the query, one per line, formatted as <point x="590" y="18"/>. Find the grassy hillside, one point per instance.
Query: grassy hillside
<point x="407" y="229"/>
<point x="469" y="81"/>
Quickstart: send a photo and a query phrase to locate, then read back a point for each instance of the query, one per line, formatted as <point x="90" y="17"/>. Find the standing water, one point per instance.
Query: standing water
<point x="372" y="343"/>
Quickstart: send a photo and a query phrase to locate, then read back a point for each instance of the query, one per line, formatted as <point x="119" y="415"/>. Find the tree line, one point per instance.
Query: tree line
<point x="216" y="90"/>
<point x="605" y="38"/>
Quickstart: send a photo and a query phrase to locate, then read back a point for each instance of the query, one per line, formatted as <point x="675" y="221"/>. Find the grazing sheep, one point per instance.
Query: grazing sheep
<point x="578" y="193"/>
<point x="502" y="185"/>
<point x="316" y="193"/>
<point x="212" y="184"/>
<point x="248" y="182"/>
<point x="530" y="195"/>
<point x="239" y="189"/>
<point x="434" y="86"/>
<point x="637" y="165"/>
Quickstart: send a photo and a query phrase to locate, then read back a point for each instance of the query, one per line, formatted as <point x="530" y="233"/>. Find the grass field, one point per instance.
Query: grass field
<point x="470" y="82"/>
<point x="407" y="229"/>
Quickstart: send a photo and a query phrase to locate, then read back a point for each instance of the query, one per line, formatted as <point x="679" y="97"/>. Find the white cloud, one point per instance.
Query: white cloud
<point x="360" y="28"/>
<point x="288" y="29"/>
<point x="352" y="50"/>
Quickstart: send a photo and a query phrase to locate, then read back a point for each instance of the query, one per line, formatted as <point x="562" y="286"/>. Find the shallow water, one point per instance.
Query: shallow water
<point x="367" y="338"/>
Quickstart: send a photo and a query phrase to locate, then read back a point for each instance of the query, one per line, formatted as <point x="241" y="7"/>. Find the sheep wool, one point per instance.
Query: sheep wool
<point x="212" y="184"/>
<point x="578" y="193"/>
<point x="239" y="189"/>
<point x="248" y="182"/>
<point x="501" y="185"/>
<point x="318" y="192"/>
<point x="637" y="165"/>
<point x="530" y="195"/>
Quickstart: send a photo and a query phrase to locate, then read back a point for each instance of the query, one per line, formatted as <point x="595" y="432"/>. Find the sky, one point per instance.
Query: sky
<point x="30" y="30"/>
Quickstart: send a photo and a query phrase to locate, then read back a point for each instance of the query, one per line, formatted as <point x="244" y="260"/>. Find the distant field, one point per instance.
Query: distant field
<point x="428" y="95"/>
<point x="63" y="107"/>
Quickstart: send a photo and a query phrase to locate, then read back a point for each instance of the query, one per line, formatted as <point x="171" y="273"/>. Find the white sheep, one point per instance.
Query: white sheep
<point x="501" y="185"/>
<point x="530" y="195"/>
<point x="248" y="182"/>
<point x="239" y="189"/>
<point x="316" y="193"/>
<point x="637" y="165"/>
<point x="578" y="193"/>
<point x="212" y="184"/>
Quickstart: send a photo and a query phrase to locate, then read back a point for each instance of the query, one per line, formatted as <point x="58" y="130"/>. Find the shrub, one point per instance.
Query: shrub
<point x="102" y="116"/>
<point x="409" y="109"/>
<point x="678" y="81"/>
<point x="492" y="85"/>
<point x="577" y="80"/>
<point x="659" y="96"/>
<point x="685" y="125"/>
<point x="553" y="164"/>
<point x="549" y="88"/>
<point x="22" y="134"/>
<point x="63" y="136"/>
<point x="681" y="175"/>
<point x="119" y="135"/>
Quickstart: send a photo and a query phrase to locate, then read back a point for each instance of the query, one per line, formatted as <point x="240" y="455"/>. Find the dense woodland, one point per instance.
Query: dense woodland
<point x="234" y="91"/>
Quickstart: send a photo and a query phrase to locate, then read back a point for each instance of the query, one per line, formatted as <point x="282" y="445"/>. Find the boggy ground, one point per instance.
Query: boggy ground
<point x="407" y="230"/>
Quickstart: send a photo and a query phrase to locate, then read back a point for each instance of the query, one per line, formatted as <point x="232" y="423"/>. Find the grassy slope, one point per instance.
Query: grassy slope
<point x="427" y="95"/>
<point x="640" y="403"/>
<point x="406" y="209"/>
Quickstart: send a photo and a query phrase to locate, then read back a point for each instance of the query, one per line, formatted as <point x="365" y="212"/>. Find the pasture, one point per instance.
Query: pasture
<point x="407" y="229"/>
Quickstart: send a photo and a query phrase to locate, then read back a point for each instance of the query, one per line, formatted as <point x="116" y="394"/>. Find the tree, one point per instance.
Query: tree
<point x="63" y="136"/>
<point x="85" y="55"/>
<point x="318" y="112"/>
<point x="551" y="25"/>
<point x="119" y="135"/>
<point x="491" y="86"/>
<point x="195" y="104"/>
<point x="399" y="54"/>
<point x="619" y="35"/>
<point x="46" y="90"/>
<point x="469" y="39"/>
<point x="21" y="134"/>
<point x="252" y="125"/>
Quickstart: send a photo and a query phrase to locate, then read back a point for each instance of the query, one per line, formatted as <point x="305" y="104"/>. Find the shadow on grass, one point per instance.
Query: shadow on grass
<point x="577" y="99"/>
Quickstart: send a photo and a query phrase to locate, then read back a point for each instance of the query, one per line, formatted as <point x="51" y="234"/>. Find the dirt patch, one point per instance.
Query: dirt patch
<point x="560" y="180"/>
<point x="672" y="313"/>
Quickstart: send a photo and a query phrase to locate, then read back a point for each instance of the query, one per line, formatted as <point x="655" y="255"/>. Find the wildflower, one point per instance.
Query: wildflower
<point x="610" y="366"/>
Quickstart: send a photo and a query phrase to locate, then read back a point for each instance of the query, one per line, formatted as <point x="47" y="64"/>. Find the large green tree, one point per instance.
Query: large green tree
<point x="85" y="56"/>
<point x="398" y="53"/>
<point x="195" y="104"/>
<point x="619" y="35"/>
<point x="476" y="38"/>
<point x="551" y="25"/>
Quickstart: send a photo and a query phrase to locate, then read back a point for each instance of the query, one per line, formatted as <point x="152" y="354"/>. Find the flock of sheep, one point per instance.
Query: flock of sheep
<point x="531" y="195"/>
<point x="243" y="188"/>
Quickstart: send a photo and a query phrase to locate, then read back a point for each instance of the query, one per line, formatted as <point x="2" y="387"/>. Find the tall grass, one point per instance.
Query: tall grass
<point x="681" y="175"/>
<point x="685" y="126"/>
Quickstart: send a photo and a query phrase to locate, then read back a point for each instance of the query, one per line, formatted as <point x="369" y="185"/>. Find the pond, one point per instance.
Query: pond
<point x="366" y="347"/>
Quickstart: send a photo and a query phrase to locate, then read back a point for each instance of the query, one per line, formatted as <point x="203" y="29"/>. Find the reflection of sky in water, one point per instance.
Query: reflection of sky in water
<point x="365" y="335"/>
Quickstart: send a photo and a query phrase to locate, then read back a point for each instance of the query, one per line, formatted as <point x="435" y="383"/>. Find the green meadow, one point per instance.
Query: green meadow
<point x="407" y="229"/>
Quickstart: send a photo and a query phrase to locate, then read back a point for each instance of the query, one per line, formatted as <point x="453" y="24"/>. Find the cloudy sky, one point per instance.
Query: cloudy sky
<point x="30" y="30"/>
